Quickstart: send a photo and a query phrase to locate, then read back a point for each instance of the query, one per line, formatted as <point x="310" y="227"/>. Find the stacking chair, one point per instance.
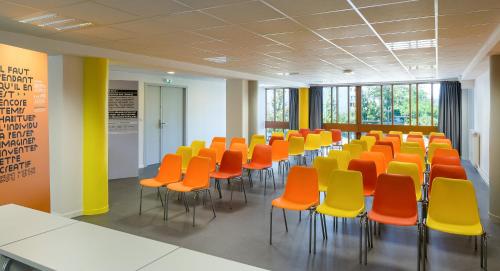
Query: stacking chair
<point x="326" y="140"/>
<point x="336" y="137"/>
<point x="210" y="154"/>
<point x="261" y="161"/>
<point x="434" y="137"/>
<point x="453" y="209"/>
<point x="399" y="133"/>
<point x="370" y="141"/>
<point x="379" y="132"/>
<point x="344" y="199"/>
<point x="237" y="140"/>
<point x="363" y="143"/>
<point x="274" y="138"/>
<point x="412" y="133"/>
<point x="442" y="141"/>
<point x="433" y="147"/>
<point x="219" y="139"/>
<point x="170" y="171"/>
<point x="343" y="158"/>
<point x="375" y="135"/>
<point x="231" y="170"/>
<point x="396" y="143"/>
<point x="241" y="147"/>
<point x="446" y="171"/>
<point x="394" y="204"/>
<point x="196" y="180"/>
<point x="301" y="194"/>
<point x="186" y="153"/>
<point x="390" y="144"/>
<point x="279" y="151"/>
<point x="376" y="157"/>
<point x="219" y="147"/>
<point x="196" y="146"/>
<point x="368" y="170"/>
<point x="324" y="166"/>
<point x="281" y="134"/>
<point x="354" y="149"/>
<point x="436" y="134"/>
<point x="446" y="160"/>
<point x="410" y="144"/>
<point x="304" y="132"/>
<point x="313" y="145"/>
<point x="412" y="158"/>
<point x="408" y="169"/>
<point x="289" y="133"/>
<point x="447" y="152"/>
<point x="385" y="150"/>
<point x="418" y="140"/>
<point x="255" y="140"/>
<point x="296" y="148"/>
<point x="414" y="150"/>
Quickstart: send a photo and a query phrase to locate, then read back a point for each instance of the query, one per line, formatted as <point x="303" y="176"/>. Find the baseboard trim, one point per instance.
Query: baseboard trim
<point x="484" y="176"/>
<point x="70" y="214"/>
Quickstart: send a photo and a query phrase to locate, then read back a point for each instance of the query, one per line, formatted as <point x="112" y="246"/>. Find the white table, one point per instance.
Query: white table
<point x="187" y="260"/>
<point x="83" y="246"/>
<point x="17" y="223"/>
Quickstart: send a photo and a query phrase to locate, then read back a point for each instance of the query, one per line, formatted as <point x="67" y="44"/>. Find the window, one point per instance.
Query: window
<point x="370" y="104"/>
<point x="387" y="104"/>
<point x="436" y="91"/>
<point x="339" y="105"/>
<point x="401" y="96"/>
<point x="277" y="110"/>
<point x="424" y="104"/>
<point x="352" y="105"/>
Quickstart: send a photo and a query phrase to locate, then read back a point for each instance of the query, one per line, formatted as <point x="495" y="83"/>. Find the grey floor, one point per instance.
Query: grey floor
<point x="242" y="233"/>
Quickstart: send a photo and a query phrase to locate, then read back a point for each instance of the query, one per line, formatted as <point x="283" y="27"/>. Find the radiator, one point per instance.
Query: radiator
<point x="475" y="144"/>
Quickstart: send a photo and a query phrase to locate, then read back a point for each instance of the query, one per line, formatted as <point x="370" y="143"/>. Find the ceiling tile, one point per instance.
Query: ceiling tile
<point x="45" y="4"/>
<point x="331" y="19"/>
<point x="273" y="26"/>
<point x="470" y="18"/>
<point x="244" y="12"/>
<point x="307" y="7"/>
<point x="138" y="27"/>
<point x="145" y="8"/>
<point x="460" y="6"/>
<point x="401" y="26"/>
<point x="414" y="35"/>
<point x="403" y="10"/>
<point x="346" y="32"/>
<point x="188" y="21"/>
<point x="15" y="11"/>
<point x="104" y="32"/>
<point x="356" y="41"/>
<point x="95" y="13"/>
<point x="197" y="4"/>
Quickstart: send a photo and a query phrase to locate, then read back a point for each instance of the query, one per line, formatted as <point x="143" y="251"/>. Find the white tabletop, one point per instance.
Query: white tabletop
<point x="83" y="246"/>
<point x="187" y="260"/>
<point x="17" y="223"/>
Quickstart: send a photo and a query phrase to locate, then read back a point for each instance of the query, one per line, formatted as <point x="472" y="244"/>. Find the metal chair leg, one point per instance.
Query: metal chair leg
<point x="165" y="213"/>
<point x="271" y="227"/>
<point x="243" y="188"/>
<point x="419" y="241"/>
<point x="274" y="183"/>
<point x="315" y="216"/>
<point x="284" y="217"/>
<point x="140" y="202"/>
<point x="159" y="196"/>
<point x="361" y="221"/>
<point x="194" y="209"/>
<point x="310" y="230"/>
<point x="211" y="201"/>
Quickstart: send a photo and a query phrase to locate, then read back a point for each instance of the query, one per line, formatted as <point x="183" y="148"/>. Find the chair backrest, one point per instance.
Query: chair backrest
<point x="186" y="153"/>
<point x="170" y="169"/>
<point x="256" y="139"/>
<point x="434" y="137"/>
<point x="436" y="134"/>
<point x="368" y="170"/>
<point x="453" y="201"/>
<point x="443" y="141"/>
<point x="379" y="132"/>
<point x="263" y="154"/>
<point x="354" y="149"/>
<point x="411" y="144"/>
<point x="395" y="197"/>
<point x="280" y="150"/>
<point x="446" y="171"/>
<point x="399" y="133"/>
<point x="326" y="138"/>
<point x="197" y="173"/>
<point x="370" y="141"/>
<point x="296" y="145"/>
<point x="446" y="160"/>
<point x="446" y="152"/>
<point x="281" y="134"/>
<point x="231" y="162"/>
<point x="290" y="132"/>
<point x="413" y="133"/>
<point x="363" y="143"/>
<point x="412" y="158"/>
<point x="336" y="135"/>
<point x="418" y="140"/>
<point x="237" y="140"/>
<point x="414" y="136"/>
<point x="210" y="154"/>
<point x="376" y="157"/>
<point x="324" y="166"/>
<point x="433" y="147"/>
<point x="274" y="138"/>
<point x="313" y="142"/>
<point x="219" y="147"/>
<point x="345" y="190"/>
<point x="219" y="139"/>
<point x="241" y="147"/>
<point x="396" y="143"/>
<point x="375" y="135"/>
<point x="390" y="144"/>
<point x="385" y="150"/>
<point x="407" y="169"/>
<point x="343" y="158"/>
<point x="196" y="146"/>
<point x="302" y="186"/>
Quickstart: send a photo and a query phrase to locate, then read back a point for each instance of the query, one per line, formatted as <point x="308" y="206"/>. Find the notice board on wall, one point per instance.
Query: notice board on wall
<point x="24" y="144"/>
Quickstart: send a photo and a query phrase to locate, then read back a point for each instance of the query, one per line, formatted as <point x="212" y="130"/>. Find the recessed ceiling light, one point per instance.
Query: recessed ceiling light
<point x="283" y="73"/>
<point x="348" y="72"/>
<point x="38" y="18"/>
<point x="55" y="22"/>
<point x="217" y="59"/>
<point x="171" y="72"/>
<point x="51" y="23"/>
<point x="73" y="26"/>
<point x="421" y="67"/>
<point x="411" y="44"/>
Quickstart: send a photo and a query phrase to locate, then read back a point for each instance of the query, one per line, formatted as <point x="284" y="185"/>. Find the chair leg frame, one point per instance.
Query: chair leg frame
<point x="196" y="195"/>
<point x="311" y="210"/>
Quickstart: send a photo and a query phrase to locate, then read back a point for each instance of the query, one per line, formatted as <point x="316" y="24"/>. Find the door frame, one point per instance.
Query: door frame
<point x="184" y="94"/>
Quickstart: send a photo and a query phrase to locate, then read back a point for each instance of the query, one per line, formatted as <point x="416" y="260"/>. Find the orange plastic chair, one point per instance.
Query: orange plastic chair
<point x="336" y="136"/>
<point x="210" y="154"/>
<point x="279" y="151"/>
<point x="196" y="180"/>
<point x="274" y="138"/>
<point x="410" y="135"/>
<point x="434" y="137"/>
<point x="384" y="149"/>
<point x="241" y="147"/>
<point x="369" y="171"/>
<point x="446" y="160"/>
<point x="170" y="171"/>
<point x="219" y="139"/>
<point x="301" y="194"/>
<point x="231" y="170"/>
<point x="219" y="147"/>
<point x="412" y="158"/>
<point x="396" y="143"/>
<point x="446" y="171"/>
<point x="442" y="140"/>
<point x="262" y="160"/>
<point x="395" y="204"/>
<point x="237" y="140"/>
<point x="376" y="157"/>
<point x="419" y="140"/>
<point x="375" y="135"/>
<point x="387" y="143"/>
<point x="446" y="152"/>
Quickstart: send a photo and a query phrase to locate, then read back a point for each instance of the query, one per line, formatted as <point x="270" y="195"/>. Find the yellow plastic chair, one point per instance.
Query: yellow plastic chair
<point x="296" y="148"/>
<point x="255" y="140"/>
<point x="289" y="133"/>
<point x="433" y="147"/>
<point x="453" y="209"/>
<point x="326" y="139"/>
<point x="354" y="149"/>
<point x="380" y="133"/>
<point x="278" y="134"/>
<point x="344" y="199"/>
<point x="397" y="133"/>
<point x="410" y="144"/>
<point x="324" y="166"/>
<point x="196" y="146"/>
<point x="186" y="153"/>
<point x="370" y="141"/>
<point x="313" y="144"/>
<point x="364" y="144"/>
<point x="436" y="134"/>
<point x="408" y="169"/>
<point x="343" y="158"/>
<point x="414" y="150"/>
<point x="415" y="133"/>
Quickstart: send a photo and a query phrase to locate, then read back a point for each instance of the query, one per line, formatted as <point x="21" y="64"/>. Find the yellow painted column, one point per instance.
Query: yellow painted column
<point x="95" y="136"/>
<point x="304" y="108"/>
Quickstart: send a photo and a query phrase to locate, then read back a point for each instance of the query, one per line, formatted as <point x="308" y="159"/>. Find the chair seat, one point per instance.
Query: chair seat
<point x="180" y="187"/>
<point x="151" y="183"/>
<point x="224" y="175"/>
<point x="331" y="211"/>
<point x="392" y="220"/>
<point x="286" y="204"/>
<point x="311" y="149"/>
<point x="475" y="229"/>
<point x="322" y="187"/>
<point x="256" y="166"/>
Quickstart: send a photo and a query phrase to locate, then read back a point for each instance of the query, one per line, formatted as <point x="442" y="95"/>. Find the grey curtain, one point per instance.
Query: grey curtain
<point x="293" y="111"/>
<point x="450" y="112"/>
<point x="315" y="107"/>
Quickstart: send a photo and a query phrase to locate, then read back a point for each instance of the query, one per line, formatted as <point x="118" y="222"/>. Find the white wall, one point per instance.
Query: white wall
<point x="65" y="134"/>
<point x="205" y="104"/>
<point x="482" y="120"/>
<point x="237" y="108"/>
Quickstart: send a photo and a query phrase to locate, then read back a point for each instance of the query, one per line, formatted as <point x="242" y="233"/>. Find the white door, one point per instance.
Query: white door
<point x="163" y="122"/>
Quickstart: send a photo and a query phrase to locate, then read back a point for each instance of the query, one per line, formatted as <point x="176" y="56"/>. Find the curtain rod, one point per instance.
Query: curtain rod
<point x="388" y="82"/>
